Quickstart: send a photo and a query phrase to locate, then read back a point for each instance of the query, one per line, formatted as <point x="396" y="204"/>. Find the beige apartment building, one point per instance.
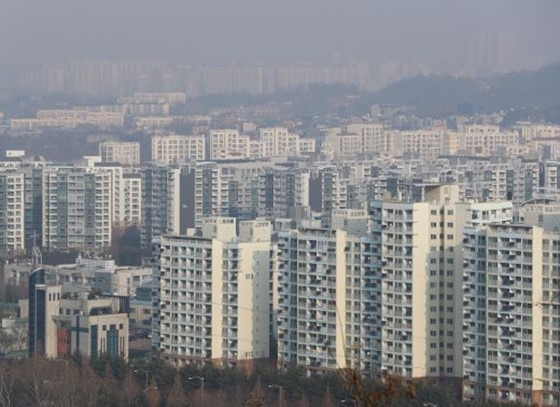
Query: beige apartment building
<point x="212" y="287"/>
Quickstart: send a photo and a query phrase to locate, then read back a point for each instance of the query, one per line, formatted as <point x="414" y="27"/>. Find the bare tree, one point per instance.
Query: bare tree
<point x="13" y="339"/>
<point x="177" y="396"/>
<point x="6" y="387"/>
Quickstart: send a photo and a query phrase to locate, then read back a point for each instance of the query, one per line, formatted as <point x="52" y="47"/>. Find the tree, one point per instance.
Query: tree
<point x="14" y="339"/>
<point x="257" y="396"/>
<point x="177" y="396"/>
<point x="153" y="394"/>
<point x="132" y="390"/>
<point x="328" y="399"/>
<point x="6" y="387"/>
<point x="391" y="389"/>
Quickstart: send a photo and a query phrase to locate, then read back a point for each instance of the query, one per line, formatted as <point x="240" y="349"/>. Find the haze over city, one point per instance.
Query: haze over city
<point x="280" y="203"/>
<point x="437" y="33"/>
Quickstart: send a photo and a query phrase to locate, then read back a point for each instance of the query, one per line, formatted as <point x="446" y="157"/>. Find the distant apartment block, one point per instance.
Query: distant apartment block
<point x="124" y="153"/>
<point x="69" y="119"/>
<point x="170" y="98"/>
<point x="175" y="149"/>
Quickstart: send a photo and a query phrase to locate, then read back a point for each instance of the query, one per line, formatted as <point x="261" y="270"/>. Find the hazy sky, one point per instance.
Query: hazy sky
<point x="191" y="31"/>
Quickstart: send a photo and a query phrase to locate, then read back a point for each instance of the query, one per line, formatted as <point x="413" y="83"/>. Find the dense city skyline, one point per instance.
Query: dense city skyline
<point x="280" y="203"/>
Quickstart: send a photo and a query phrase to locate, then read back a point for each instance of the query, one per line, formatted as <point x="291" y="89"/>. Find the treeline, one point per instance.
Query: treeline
<point x="153" y="383"/>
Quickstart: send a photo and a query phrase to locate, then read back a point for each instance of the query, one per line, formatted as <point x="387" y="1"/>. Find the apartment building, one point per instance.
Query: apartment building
<point x="12" y="212"/>
<point x="532" y="131"/>
<point x="132" y="199"/>
<point x="375" y="138"/>
<point x="341" y="144"/>
<point x="485" y="139"/>
<point x="175" y="149"/>
<point x="517" y="181"/>
<point x="154" y="122"/>
<point x="405" y="267"/>
<point x="160" y="212"/>
<point x="116" y="185"/>
<point x="511" y="292"/>
<point x="77" y="208"/>
<point x="422" y="278"/>
<point x="69" y="118"/>
<point x="356" y="139"/>
<point x="427" y="144"/>
<point x="170" y="98"/>
<point x="227" y="144"/>
<point x="329" y="313"/>
<point x="227" y="189"/>
<point x="279" y="142"/>
<point x="212" y="294"/>
<point x="306" y="146"/>
<point x="124" y="153"/>
<point x="282" y="190"/>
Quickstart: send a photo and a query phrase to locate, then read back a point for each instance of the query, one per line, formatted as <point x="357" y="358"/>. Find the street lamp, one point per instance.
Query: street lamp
<point x="280" y="391"/>
<point x="201" y="379"/>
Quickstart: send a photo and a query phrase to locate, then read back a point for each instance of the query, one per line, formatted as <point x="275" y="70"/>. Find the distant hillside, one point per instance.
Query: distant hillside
<point x="531" y="94"/>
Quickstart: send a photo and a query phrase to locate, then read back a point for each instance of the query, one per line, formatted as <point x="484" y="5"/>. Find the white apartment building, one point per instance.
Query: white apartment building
<point x="511" y="322"/>
<point x="357" y="139"/>
<point x="69" y="118"/>
<point x="341" y="145"/>
<point x="124" y="153"/>
<point x="532" y="131"/>
<point x="132" y="199"/>
<point x="174" y="149"/>
<point x="306" y="145"/>
<point x="485" y="139"/>
<point x="212" y="294"/>
<point x="154" y="122"/>
<point x="375" y="138"/>
<point x="77" y="208"/>
<point x="116" y="185"/>
<point x="256" y="149"/>
<point x="330" y="296"/>
<point x="406" y="269"/>
<point x="427" y="144"/>
<point x="171" y="98"/>
<point x="12" y="212"/>
<point x="279" y="142"/>
<point x="227" y="144"/>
